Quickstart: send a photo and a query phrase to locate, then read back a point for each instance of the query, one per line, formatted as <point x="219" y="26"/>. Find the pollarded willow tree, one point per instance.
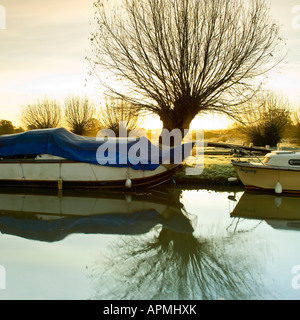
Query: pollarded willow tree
<point x="79" y="114"/>
<point x="178" y="58"/>
<point x="118" y="115"/>
<point x="267" y="120"/>
<point x="42" y="114"/>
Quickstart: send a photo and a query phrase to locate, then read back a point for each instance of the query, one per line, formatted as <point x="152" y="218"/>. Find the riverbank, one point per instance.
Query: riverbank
<point x="217" y="170"/>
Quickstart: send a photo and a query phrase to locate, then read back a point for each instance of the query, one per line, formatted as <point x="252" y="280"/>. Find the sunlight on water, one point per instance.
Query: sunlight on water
<point x="166" y="243"/>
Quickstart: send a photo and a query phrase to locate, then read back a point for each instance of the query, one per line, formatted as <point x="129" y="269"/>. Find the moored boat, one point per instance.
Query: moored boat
<point x="278" y="172"/>
<point x="59" y="159"/>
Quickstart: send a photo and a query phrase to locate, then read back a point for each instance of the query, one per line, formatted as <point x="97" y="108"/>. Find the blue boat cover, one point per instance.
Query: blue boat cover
<point x="62" y="143"/>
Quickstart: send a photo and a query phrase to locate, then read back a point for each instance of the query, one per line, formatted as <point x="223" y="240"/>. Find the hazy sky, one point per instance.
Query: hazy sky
<point x="43" y="50"/>
<point x="44" y="45"/>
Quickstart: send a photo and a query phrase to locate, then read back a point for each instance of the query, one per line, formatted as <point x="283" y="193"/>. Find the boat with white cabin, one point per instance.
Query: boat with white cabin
<point x="279" y="171"/>
<point x="57" y="158"/>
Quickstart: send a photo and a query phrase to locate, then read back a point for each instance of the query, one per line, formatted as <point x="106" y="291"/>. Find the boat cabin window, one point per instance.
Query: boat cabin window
<point x="294" y="162"/>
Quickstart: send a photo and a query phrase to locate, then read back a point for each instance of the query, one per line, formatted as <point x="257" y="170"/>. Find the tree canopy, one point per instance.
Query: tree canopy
<point x="267" y="118"/>
<point x="41" y="114"/>
<point x="79" y="114"/>
<point x="177" y="58"/>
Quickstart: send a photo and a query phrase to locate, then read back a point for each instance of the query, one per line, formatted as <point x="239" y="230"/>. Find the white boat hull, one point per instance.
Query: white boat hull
<point x="262" y="177"/>
<point x="70" y="174"/>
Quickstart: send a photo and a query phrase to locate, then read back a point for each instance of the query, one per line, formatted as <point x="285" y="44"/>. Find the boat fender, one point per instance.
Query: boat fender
<point x="232" y="179"/>
<point x="128" y="183"/>
<point x="278" y="187"/>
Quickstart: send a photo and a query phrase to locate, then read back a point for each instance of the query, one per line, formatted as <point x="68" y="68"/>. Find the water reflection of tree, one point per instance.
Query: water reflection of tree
<point x="175" y="265"/>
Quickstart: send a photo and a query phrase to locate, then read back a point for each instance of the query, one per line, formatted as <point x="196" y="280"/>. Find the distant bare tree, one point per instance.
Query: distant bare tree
<point x="94" y="125"/>
<point x="41" y="114"/>
<point x="295" y="132"/>
<point x="79" y="113"/>
<point x="116" y="113"/>
<point x="177" y="58"/>
<point x="266" y="118"/>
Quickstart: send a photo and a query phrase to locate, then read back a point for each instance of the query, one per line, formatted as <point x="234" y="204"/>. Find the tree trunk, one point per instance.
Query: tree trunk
<point x="174" y="127"/>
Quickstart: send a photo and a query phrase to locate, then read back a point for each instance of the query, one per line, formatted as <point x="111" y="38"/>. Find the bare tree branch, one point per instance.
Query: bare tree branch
<point x="41" y="114"/>
<point x="117" y="113"/>
<point x="177" y="58"/>
<point x="266" y="118"/>
<point x="79" y="113"/>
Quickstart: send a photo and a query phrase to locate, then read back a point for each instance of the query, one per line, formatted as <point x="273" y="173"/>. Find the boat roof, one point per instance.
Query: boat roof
<point x="284" y="153"/>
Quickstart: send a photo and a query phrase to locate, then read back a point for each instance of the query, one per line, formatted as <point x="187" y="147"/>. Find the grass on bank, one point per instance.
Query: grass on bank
<point x="217" y="170"/>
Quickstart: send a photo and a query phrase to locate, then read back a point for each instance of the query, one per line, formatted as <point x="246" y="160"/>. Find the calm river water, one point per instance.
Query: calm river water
<point x="167" y="243"/>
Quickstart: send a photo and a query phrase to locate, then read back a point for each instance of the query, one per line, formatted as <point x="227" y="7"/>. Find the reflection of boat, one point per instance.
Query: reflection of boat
<point x="56" y="158"/>
<point x="49" y="217"/>
<point x="279" y="172"/>
<point x="280" y="212"/>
